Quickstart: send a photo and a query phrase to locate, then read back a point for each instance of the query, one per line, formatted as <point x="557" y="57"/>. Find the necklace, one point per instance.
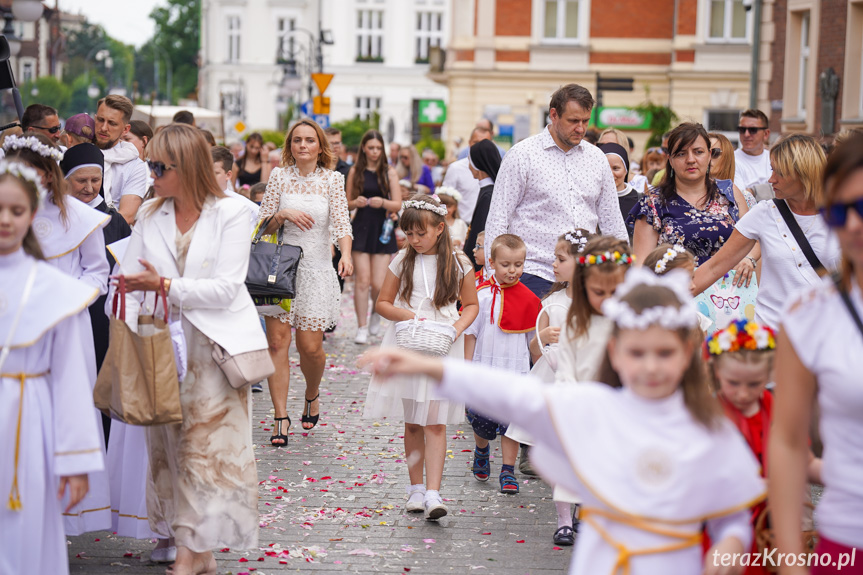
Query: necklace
<point x="811" y="224"/>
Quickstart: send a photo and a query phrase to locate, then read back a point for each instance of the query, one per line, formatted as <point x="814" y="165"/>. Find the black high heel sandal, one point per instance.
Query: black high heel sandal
<point x="307" y="416"/>
<point x="279" y="434"/>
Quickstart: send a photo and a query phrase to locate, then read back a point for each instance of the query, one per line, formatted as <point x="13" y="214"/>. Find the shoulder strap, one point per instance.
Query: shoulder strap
<point x="799" y="237"/>
<point x="28" y="287"/>
<point x="846" y="299"/>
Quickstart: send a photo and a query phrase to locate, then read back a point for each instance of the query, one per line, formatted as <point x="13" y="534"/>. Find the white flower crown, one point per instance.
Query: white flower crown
<point x="576" y="238"/>
<point x="668" y="317"/>
<point x="25" y="172"/>
<point x="448" y="191"/>
<point x="422" y="205"/>
<point x="31" y="143"/>
<point x="667" y="257"/>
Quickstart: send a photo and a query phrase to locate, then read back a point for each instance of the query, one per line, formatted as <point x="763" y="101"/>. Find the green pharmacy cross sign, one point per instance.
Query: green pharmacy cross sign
<point x="432" y="112"/>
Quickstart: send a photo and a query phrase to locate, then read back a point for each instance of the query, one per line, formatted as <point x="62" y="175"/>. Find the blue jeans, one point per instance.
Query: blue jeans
<point x="539" y="286"/>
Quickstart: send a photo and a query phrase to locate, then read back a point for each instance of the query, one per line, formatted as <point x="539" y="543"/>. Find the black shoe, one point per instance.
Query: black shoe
<point x="307" y="414"/>
<point x="564" y="536"/>
<point x="279" y="435"/>
<point x="257" y="387"/>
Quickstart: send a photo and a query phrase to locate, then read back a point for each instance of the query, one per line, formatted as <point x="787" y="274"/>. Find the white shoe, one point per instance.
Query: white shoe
<point x="374" y="324"/>
<point x="163" y="555"/>
<point x="416" y="493"/>
<point x="362" y="335"/>
<point x="434" y="506"/>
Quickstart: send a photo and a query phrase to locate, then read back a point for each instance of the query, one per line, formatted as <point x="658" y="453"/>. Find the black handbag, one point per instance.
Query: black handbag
<point x="272" y="267"/>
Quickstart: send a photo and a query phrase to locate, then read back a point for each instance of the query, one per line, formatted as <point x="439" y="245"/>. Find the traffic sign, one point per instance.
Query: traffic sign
<point x="321" y="105"/>
<point x="306" y="108"/>
<point x="322" y="81"/>
<point x="432" y="112"/>
<point x="240" y="127"/>
<point x="322" y="120"/>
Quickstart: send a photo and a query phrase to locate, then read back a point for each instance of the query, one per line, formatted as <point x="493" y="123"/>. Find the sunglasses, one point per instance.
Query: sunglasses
<point x="748" y="129"/>
<point x="159" y="168"/>
<point x="836" y="215"/>
<point x="51" y="130"/>
<point x="732" y="302"/>
<point x="657" y="151"/>
<point x="715" y="152"/>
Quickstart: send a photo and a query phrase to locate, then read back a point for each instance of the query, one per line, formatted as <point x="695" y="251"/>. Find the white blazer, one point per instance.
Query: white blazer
<point x="212" y="290"/>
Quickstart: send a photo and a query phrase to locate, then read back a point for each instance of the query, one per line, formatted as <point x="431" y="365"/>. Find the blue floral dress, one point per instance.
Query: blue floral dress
<point x="702" y="232"/>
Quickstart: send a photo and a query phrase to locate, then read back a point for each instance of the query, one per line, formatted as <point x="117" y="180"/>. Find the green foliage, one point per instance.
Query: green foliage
<point x="662" y="118"/>
<point x="427" y="141"/>
<point x="274" y="136"/>
<point x="178" y="38"/>
<point x="353" y="130"/>
<point x="48" y="90"/>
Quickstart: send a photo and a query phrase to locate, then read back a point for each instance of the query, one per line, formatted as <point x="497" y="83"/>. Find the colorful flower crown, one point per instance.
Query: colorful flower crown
<point x="576" y="238"/>
<point x="667" y="257"/>
<point x="423" y="205"/>
<point x="615" y="257"/>
<point x="31" y="143"/>
<point x="667" y="317"/>
<point x="448" y="191"/>
<point x="25" y="172"/>
<point x="740" y="335"/>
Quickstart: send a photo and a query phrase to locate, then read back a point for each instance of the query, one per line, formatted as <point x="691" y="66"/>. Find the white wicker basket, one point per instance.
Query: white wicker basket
<point x="545" y="309"/>
<point x="425" y="336"/>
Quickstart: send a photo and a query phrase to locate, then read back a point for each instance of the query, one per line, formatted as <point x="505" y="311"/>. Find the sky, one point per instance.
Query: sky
<point x="125" y="20"/>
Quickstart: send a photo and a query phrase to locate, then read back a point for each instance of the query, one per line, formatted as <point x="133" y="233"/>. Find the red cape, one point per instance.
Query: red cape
<point x="519" y="307"/>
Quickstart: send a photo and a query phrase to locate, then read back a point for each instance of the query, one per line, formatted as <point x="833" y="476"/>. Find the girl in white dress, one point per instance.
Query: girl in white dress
<point x="427" y="269"/>
<point x="70" y="233"/>
<point x="307" y="200"/>
<point x="450" y="197"/>
<point x="649" y="449"/>
<point x="49" y="437"/>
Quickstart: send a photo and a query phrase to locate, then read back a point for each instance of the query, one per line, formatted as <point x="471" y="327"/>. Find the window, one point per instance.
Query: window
<point x="561" y="19"/>
<point x="365" y="105"/>
<point x="370" y="35"/>
<point x="804" y="65"/>
<point x="233" y="38"/>
<point x="429" y="33"/>
<point x="723" y="121"/>
<point x="727" y="21"/>
<point x="285" y="32"/>
<point x="28" y="71"/>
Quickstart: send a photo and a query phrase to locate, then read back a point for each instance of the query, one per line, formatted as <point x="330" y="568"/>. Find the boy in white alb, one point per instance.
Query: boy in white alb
<point x="223" y="163"/>
<point x="499" y="337"/>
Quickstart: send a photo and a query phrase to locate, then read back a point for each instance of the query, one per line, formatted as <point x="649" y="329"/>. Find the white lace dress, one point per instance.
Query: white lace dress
<point x="321" y="194"/>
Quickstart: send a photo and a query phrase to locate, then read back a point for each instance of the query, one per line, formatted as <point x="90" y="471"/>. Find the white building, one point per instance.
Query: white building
<point x="379" y="56"/>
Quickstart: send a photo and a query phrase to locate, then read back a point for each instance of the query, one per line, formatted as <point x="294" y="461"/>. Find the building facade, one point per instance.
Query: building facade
<point x="506" y="58"/>
<point x="811" y="72"/>
<point x="378" y="54"/>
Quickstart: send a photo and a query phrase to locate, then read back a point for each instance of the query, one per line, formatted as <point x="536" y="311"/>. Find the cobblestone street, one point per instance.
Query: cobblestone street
<point x="333" y="500"/>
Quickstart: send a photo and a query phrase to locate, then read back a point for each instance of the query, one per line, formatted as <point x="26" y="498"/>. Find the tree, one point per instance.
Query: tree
<point x="353" y="130"/>
<point x="661" y="119"/>
<point x="47" y="90"/>
<point x="177" y="38"/>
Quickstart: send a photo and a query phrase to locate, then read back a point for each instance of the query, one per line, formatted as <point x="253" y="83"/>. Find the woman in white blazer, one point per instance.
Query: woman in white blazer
<point x="194" y="242"/>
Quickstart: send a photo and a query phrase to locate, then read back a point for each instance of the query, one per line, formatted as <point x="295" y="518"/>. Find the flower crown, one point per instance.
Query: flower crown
<point x="25" y="172"/>
<point x="448" y="191"/>
<point x="576" y="238"/>
<point x="31" y="143"/>
<point x="615" y="257"/>
<point x="739" y="335"/>
<point x="668" y="317"/>
<point x="667" y="257"/>
<point x="423" y="205"/>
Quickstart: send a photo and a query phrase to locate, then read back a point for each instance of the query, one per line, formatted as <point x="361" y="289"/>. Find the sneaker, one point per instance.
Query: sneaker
<point x="362" y="336"/>
<point x="524" y="466"/>
<point x="416" y="493"/>
<point x="434" y="507"/>
<point x="374" y="324"/>
<point x="257" y="387"/>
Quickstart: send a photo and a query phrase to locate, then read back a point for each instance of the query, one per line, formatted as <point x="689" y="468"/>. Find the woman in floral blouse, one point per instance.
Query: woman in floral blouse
<point x="689" y="207"/>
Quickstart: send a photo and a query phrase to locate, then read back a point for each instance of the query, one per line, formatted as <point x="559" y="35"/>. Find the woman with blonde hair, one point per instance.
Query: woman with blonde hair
<point x="414" y="175"/>
<point x="722" y="165"/>
<point x="306" y="198"/>
<point x="192" y="242"/>
<point x="798" y="169"/>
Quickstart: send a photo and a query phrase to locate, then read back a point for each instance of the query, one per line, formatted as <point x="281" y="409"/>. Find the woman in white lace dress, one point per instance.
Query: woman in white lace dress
<point x="306" y="199"/>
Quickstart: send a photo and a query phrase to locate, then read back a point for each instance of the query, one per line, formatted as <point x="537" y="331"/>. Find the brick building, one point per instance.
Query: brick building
<point x="802" y="39"/>
<point x="506" y="57"/>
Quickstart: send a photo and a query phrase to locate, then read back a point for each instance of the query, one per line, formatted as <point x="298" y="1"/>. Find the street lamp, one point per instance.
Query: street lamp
<point x="9" y="32"/>
<point x="93" y="91"/>
<point x="27" y="10"/>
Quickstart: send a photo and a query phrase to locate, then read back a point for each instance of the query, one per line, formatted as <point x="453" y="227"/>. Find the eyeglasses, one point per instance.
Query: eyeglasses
<point x="478" y="247"/>
<point x="749" y="129"/>
<point x="836" y="215"/>
<point x="663" y="151"/>
<point x="715" y="152"/>
<point x="51" y="130"/>
<point x="159" y="168"/>
<point x="732" y="302"/>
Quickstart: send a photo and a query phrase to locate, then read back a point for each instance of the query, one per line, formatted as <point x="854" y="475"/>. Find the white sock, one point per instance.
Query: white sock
<point x="564" y="514"/>
<point x="433" y="494"/>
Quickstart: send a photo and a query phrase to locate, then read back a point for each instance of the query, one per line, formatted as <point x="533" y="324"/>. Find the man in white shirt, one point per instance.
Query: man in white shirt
<point x="125" y="180"/>
<point x="752" y="159"/>
<point x="459" y="176"/>
<point x="486" y="128"/>
<point x="223" y="164"/>
<point x="552" y="183"/>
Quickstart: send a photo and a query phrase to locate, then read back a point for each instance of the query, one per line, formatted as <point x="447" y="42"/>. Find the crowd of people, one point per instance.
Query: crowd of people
<point x="667" y="340"/>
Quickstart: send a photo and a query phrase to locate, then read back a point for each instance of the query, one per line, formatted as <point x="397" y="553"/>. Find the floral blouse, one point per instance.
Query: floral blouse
<point x="702" y="232"/>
